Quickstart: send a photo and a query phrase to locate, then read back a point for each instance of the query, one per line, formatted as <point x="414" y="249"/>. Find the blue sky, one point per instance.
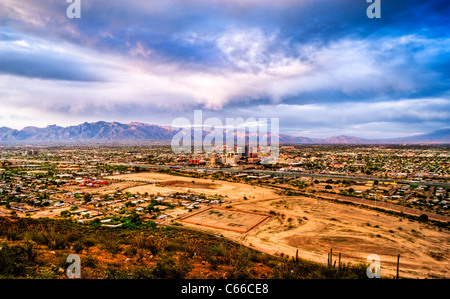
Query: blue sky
<point x="321" y="66"/>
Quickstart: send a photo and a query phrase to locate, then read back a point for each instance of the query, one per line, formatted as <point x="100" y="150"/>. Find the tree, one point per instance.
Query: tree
<point x="423" y="217"/>
<point x="87" y="197"/>
<point x="134" y="217"/>
<point x="65" y="213"/>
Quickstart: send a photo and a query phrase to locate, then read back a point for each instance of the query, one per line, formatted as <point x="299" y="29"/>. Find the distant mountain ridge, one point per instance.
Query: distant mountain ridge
<point x="115" y="132"/>
<point x="98" y="131"/>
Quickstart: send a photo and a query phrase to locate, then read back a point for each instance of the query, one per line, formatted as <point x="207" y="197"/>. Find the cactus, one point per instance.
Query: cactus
<point x="339" y="260"/>
<point x="330" y="258"/>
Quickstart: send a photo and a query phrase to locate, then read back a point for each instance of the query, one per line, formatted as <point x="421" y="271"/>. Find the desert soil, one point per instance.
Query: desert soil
<point x="313" y="227"/>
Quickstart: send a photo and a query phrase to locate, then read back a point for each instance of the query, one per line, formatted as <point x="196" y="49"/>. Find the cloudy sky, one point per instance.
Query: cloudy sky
<point x="321" y="66"/>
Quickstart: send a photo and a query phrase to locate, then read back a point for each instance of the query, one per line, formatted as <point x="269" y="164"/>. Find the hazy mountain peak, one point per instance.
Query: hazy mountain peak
<point x="107" y="132"/>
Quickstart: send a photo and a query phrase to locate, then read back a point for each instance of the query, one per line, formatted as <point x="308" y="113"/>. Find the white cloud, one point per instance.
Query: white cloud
<point x="261" y="66"/>
<point x="378" y="119"/>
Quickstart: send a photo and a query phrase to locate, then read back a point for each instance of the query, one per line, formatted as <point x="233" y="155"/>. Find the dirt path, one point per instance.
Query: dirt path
<point x="313" y="226"/>
<point x="354" y="232"/>
<point x="385" y="205"/>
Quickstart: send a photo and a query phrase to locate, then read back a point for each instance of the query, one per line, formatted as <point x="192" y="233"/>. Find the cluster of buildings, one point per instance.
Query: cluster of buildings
<point x="33" y="178"/>
<point x="241" y="155"/>
<point x="382" y="161"/>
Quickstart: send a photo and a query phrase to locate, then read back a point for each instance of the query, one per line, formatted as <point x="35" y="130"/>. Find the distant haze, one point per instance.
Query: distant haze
<point x="115" y="132"/>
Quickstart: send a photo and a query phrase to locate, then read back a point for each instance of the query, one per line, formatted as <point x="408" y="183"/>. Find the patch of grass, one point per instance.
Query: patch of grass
<point x="438" y="256"/>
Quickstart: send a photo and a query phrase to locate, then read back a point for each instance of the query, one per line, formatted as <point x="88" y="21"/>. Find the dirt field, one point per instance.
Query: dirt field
<point x="107" y="189"/>
<point x="48" y="212"/>
<point x="226" y="219"/>
<point x="385" y="205"/>
<point x="315" y="226"/>
<point x="190" y="185"/>
<point x="164" y="183"/>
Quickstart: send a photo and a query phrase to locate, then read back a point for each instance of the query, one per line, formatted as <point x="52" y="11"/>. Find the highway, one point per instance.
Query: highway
<point x="295" y="174"/>
<point x="261" y="172"/>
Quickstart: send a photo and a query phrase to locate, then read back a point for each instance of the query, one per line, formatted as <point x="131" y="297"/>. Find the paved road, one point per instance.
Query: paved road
<point x="301" y="174"/>
<point x="265" y="172"/>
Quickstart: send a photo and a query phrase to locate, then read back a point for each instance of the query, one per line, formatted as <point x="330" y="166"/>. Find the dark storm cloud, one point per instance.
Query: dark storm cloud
<point x="46" y="66"/>
<point x="220" y="55"/>
<point x="187" y="31"/>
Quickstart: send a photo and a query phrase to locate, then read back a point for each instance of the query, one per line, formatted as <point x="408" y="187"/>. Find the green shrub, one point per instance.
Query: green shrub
<point x="78" y="246"/>
<point x="65" y="213"/>
<point x="131" y="251"/>
<point x="13" y="261"/>
<point x="110" y="242"/>
<point x="141" y="272"/>
<point x="423" y="217"/>
<point x="89" y="261"/>
<point x="13" y="234"/>
<point x="115" y="272"/>
<point x="168" y="267"/>
<point x="29" y="251"/>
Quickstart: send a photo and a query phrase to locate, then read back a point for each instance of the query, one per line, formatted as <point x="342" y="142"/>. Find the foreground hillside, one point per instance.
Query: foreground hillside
<point x="38" y="248"/>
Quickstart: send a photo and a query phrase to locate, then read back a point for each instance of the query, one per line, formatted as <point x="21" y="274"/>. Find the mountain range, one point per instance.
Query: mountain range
<point x="115" y="132"/>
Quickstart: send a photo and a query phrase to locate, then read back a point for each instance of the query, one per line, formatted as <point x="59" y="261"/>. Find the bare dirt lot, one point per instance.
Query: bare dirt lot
<point x="112" y="187"/>
<point x="226" y="219"/>
<point x="187" y="184"/>
<point x="48" y="212"/>
<point x="164" y="183"/>
<point x="314" y="226"/>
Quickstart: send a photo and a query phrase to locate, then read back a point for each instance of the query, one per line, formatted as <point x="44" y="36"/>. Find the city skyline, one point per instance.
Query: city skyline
<point x="322" y="67"/>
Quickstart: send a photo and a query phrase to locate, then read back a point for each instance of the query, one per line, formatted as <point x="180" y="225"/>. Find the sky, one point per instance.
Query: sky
<point x="322" y="67"/>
